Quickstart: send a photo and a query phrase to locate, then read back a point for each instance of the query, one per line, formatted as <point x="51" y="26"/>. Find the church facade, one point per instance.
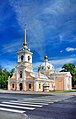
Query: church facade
<point x="46" y="79"/>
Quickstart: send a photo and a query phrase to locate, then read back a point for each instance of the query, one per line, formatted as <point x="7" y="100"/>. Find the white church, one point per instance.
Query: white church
<point x="46" y="79"/>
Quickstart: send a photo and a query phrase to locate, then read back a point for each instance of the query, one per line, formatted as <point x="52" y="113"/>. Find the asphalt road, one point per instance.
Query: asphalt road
<point x="37" y="106"/>
<point x="59" y="110"/>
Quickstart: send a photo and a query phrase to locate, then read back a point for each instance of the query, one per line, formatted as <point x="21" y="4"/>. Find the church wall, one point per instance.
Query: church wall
<point x="11" y="87"/>
<point x="35" y="85"/>
<point x="25" y="63"/>
<point x="23" y="74"/>
<point x="59" y="83"/>
<point x="67" y="83"/>
<point x="51" y="85"/>
<point x="25" y="57"/>
<point x="32" y="86"/>
<point x="40" y="86"/>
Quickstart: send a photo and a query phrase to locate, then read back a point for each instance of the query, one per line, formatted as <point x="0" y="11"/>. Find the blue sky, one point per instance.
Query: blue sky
<point x="51" y="31"/>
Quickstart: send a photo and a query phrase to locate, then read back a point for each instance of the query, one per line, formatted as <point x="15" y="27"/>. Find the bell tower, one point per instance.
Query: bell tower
<point x="25" y="55"/>
<point x="24" y="65"/>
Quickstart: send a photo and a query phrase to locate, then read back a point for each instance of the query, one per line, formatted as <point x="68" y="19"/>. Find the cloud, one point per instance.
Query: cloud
<point x="11" y="47"/>
<point x="28" y="13"/>
<point x="8" y="64"/>
<point x="63" y="61"/>
<point x="61" y="51"/>
<point x="70" y="49"/>
<point x="45" y="19"/>
<point x="57" y="63"/>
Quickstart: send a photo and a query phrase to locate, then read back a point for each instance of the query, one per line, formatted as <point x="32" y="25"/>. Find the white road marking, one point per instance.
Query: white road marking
<point x="38" y="103"/>
<point x="22" y="104"/>
<point x="50" y="102"/>
<point x="42" y="101"/>
<point x="56" y="100"/>
<point x="20" y="107"/>
<point x="11" y="110"/>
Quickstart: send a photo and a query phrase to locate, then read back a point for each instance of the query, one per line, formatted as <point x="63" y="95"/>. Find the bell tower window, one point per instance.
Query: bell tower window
<point x="20" y="74"/>
<point x="22" y="57"/>
<point x="28" y="58"/>
<point x="42" y="67"/>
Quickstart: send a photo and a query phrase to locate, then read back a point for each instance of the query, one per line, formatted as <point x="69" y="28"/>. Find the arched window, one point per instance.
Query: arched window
<point x="42" y="67"/>
<point x="22" y="57"/>
<point x="13" y="85"/>
<point x="28" y="58"/>
<point x="39" y="86"/>
<point x="48" y="67"/>
<point x="20" y="74"/>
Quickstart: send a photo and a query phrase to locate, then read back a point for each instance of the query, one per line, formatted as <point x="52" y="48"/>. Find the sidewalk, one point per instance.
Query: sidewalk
<point x="23" y="92"/>
<point x="33" y="92"/>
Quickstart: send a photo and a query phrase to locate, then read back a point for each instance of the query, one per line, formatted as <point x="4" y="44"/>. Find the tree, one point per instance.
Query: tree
<point x="72" y="69"/>
<point x="0" y="70"/>
<point x="12" y="71"/>
<point x="1" y="76"/>
<point x="4" y="74"/>
<point x="4" y="78"/>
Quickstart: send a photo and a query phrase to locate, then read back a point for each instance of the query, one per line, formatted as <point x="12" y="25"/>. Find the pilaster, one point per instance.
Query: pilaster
<point x="35" y="85"/>
<point x="24" y="81"/>
<point x="17" y="84"/>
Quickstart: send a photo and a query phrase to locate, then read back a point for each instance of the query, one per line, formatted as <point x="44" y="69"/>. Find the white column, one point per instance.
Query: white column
<point x="70" y="82"/>
<point x="24" y="82"/>
<point x="9" y="83"/>
<point x="41" y="86"/>
<point x="17" y="85"/>
<point x="65" y="83"/>
<point x="24" y="85"/>
<point x="36" y="85"/>
<point x="17" y="81"/>
<point x="54" y="81"/>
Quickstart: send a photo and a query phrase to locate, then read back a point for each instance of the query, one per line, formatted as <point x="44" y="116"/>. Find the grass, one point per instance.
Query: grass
<point x="63" y="91"/>
<point x="74" y="90"/>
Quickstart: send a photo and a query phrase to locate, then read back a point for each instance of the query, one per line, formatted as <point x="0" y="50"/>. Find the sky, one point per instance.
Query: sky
<point x="50" y="27"/>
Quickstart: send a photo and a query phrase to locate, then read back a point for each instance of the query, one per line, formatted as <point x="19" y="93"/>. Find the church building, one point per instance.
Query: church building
<point x="46" y="79"/>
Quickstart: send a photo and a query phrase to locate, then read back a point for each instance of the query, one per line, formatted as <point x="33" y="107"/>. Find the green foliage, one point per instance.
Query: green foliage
<point x="4" y="74"/>
<point x="70" y="68"/>
<point x="12" y="71"/>
<point x="0" y="70"/>
<point x="62" y="91"/>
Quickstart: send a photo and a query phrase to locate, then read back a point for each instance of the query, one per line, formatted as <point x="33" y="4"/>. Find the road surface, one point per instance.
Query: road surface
<point x="37" y="106"/>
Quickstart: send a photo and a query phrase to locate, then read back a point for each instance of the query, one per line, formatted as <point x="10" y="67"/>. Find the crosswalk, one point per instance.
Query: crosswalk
<point x="21" y="106"/>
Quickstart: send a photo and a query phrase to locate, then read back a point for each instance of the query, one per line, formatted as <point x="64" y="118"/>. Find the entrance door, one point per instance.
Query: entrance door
<point x="21" y="87"/>
<point x="29" y="86"/>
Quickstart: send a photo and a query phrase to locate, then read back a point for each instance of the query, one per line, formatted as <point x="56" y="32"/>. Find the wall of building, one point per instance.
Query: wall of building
<point x="59" y="83"/>
<point x="25" y="57"/>
<point x="67" y="82"/>
<point x="32" y="86"/>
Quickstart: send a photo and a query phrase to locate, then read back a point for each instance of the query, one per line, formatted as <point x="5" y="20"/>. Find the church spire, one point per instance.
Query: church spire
<point x="25" y="43"/>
